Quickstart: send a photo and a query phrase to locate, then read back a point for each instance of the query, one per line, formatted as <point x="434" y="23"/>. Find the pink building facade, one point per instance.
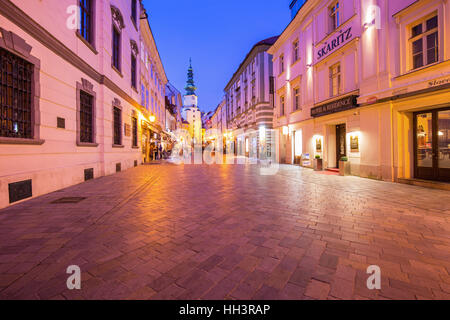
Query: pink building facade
<point x="366" y="80"/>
<point x="71" y="102"/>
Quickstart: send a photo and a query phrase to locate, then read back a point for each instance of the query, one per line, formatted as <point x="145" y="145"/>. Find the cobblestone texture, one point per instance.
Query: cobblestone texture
<point x="227" y="232"/>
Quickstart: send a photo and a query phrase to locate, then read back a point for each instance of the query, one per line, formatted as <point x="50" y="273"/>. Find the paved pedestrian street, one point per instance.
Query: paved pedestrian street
<point x="171" y="231"/>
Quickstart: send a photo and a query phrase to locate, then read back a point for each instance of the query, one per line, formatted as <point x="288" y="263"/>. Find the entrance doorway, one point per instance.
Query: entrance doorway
<point x="341" y="145"/>
<point x="432" y="145"/>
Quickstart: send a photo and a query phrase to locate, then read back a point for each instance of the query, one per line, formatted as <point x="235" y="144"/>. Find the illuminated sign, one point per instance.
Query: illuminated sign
<point x="347" y="32"/>
<point x="335" y="106"/>
<point x="335" y="43"/>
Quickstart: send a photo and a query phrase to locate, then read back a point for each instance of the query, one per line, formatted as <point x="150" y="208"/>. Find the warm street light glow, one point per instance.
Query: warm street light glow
<point x="152" y="118"/>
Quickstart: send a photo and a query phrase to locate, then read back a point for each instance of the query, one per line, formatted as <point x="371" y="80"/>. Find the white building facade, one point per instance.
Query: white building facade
<point x="249" y="103"/>
<point x="366" y="81"/>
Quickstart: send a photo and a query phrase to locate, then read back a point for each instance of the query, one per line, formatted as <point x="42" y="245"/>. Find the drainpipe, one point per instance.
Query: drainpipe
<point x="392" y="143"/>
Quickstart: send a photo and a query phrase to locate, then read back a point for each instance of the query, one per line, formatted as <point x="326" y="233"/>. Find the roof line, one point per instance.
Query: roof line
<point x="266" y="42"/>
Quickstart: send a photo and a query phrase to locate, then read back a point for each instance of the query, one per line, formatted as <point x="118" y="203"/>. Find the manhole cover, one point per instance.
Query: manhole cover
<point x="69" y="200"/>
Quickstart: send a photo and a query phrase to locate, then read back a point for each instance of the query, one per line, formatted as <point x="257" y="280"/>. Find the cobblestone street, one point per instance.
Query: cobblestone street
<point x="227" y="232"/>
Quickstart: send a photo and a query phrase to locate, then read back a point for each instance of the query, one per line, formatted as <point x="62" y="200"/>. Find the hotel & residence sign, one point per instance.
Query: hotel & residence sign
<point x="335" y="106"/>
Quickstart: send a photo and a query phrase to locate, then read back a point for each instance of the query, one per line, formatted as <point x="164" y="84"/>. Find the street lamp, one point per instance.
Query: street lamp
<point x="152" y="118"/>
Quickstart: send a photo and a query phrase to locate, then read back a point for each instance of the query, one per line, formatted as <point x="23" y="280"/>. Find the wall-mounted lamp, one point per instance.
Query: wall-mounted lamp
<point x="309" y="65"/>
<point x="367" y="25"/>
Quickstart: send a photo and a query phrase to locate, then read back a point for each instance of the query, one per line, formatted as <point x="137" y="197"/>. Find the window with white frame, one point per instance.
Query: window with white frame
<point x="335" y="79"/>
<point x="295" y="51"/>
<point x="296" y="99"/>
<point x="335" y="16"/>
<point x="424" y="42"/>
<point x="281" y="63"/>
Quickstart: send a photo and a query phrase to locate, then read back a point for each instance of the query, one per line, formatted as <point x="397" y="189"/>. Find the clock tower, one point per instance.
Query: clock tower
<point x="191" y="113"/>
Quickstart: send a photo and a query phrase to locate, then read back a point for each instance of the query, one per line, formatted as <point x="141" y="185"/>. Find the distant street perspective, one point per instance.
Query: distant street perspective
<point x="214" y="152"/>
<point x="226" y="232"/>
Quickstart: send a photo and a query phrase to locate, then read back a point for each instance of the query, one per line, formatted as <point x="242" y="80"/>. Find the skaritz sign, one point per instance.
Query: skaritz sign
<point x="341" y="37"/>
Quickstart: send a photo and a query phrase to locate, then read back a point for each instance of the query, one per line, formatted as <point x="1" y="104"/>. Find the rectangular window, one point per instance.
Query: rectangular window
<point x="133" y="71"/>
<point x="86" y="25"/>
<point x="424" y="43"/>
<point x="134" y="11"/>
<point x="281" y="64"/>
<point x="335" y="80"/>
<point x="116" y="49"/>
<point x="282" y="106"/>
<point x="86" y="117"/>
<point x="16" y="76"/>
<point x="296" y="99"/>
<point x="134" y="131"/>
<point x="335" y="18"/>
<point x="117" y="114"/>
<point x="295" y="52"/>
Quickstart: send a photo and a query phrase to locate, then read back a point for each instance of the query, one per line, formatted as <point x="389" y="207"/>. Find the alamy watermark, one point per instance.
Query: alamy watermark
<point x="374" y="280"/>
<point x="74" y="280"/>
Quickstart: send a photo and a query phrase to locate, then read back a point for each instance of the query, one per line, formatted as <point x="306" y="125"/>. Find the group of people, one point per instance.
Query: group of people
<point x="157" y="152"/>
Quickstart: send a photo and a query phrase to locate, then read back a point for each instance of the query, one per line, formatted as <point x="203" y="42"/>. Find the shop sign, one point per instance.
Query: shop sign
<point x="340" y="38"/>
<point x="331" y="45"/>
<point x="441" y="82"/>
<point x="306" y="160"/>
<point x="335" y="106"/>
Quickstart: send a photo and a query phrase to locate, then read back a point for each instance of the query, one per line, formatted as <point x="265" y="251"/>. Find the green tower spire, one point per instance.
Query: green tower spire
<point x="190" y="86"/>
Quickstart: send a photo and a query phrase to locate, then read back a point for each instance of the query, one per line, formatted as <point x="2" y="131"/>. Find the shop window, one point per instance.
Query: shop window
<point x="335" y="80"/>
<point x="424" y="42"/>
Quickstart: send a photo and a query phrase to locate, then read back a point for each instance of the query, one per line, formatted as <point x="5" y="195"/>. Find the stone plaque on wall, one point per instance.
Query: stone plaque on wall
<point x="354" y="143"/>
<point x="318" y="145"/>
<point x="127" y="130"/>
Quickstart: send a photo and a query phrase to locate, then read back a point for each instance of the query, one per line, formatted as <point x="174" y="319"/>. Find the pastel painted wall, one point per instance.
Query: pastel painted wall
<point x="59" y="162"/>
<point x="375" y="64"/>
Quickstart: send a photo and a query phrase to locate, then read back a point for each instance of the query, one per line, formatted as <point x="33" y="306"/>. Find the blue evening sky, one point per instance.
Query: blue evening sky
<point x="216" y="34"/>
